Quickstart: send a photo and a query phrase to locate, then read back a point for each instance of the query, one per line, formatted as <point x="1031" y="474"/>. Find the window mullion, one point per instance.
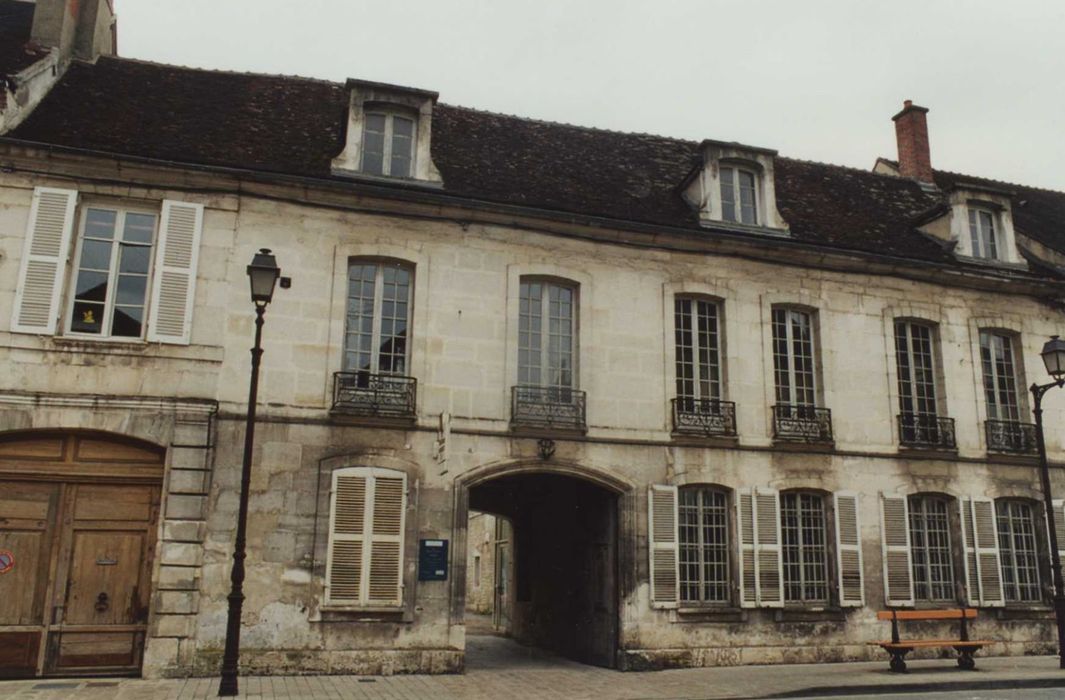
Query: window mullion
<point x="375" y="333"/>
<point x="386" y="151"/>
<point x="112" y="275"/>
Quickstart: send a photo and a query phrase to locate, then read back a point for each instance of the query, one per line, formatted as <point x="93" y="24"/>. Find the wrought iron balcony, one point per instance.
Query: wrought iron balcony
<point x="802" y="423"/>
<point x="705" y="417"/>
<point x="1011" y="436"/>
<point x="547" y="408"/>
<point x="927" y="431"/>
<point x="361" y="393"/>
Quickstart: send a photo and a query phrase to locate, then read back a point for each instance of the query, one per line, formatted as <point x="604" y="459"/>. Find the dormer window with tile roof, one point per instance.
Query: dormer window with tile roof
<point x="981" y="223"/>
<point x="733" y="186"/>
<point x="389" y="132"/>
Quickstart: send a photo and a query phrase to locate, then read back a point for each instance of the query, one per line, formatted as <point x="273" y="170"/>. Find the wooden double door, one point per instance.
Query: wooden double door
<point x="78" y="517"/>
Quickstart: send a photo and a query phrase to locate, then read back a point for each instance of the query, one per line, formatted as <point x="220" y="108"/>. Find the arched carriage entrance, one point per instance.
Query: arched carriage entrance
<point x="563" y="581"/>
<point x="78" y="514"/>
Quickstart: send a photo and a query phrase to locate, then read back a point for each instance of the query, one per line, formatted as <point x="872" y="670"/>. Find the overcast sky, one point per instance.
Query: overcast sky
<point x="814" y="79"/>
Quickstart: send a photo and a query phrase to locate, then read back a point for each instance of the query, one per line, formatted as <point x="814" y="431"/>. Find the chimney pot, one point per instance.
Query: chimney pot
<point x="911" y="133"/>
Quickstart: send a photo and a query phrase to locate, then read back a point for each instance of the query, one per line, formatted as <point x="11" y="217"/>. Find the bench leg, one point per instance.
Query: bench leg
<point x="966" y="662"/>
<point x="898" y="660"/>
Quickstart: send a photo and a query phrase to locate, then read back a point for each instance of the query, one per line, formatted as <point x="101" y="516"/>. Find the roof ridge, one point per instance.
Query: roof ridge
<point x="998" y="182"/>
<point x="253" y="74"/>
<point x="579" y="127"/>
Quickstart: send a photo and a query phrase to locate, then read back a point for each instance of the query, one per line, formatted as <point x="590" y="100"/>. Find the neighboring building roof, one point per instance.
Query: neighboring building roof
<point x="296" y="126"/>
<point x="16" y="22"/>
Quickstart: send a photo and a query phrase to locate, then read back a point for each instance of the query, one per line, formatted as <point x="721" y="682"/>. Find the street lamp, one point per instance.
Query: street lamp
<point x="263" y="273"/>
<point x="1054" y="358"/>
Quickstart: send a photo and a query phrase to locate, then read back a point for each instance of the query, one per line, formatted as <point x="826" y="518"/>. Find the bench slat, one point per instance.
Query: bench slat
<point x="968" y="613"/>
<point x="887" y="644"/>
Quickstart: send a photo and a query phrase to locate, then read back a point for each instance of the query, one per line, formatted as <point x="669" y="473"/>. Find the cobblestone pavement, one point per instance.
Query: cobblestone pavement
<point x="502" y="669"/>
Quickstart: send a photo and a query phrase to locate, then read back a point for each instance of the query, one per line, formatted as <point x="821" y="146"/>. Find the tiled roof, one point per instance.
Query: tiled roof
<point x="296" y="126"/>
<point x="16" y="21"/>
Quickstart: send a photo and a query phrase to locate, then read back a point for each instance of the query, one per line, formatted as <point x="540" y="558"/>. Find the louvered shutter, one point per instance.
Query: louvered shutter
<point x="745" y="524"/>
<point x="989" y="566"/>
<point x="44" y="258"/>
<point x="769" y="564"/>
<point x="174" y="282"/>
<point x="1059" y="525"/>
<point x="895" y="537"/>
<point x="849" y="550"/>
<point x="663" y="546"/>
<point x="385" y="581"/>
<point x="347" y="517"/>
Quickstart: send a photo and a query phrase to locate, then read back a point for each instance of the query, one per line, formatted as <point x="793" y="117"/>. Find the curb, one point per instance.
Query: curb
<point x="925" y="687"/>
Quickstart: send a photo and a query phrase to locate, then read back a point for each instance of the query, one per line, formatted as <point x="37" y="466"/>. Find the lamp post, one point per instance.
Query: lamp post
<point x="1054" y="358"/>
<point x="263" y="273"/>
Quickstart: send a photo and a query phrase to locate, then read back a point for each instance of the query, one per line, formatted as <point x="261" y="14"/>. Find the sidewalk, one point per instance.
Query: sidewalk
<point x="501" y="669"/>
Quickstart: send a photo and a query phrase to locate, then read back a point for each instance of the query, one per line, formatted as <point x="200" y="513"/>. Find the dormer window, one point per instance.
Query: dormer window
<point x="983" y="233"/>
<point x="388" y="144"/>
<point x="739" y="195"/>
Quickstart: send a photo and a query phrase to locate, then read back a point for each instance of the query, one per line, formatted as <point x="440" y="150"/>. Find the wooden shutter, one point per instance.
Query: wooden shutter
<point x="983" y="569"/>
<point x="768" y="561"/>
<point x="44" y="258"/>
<point x="174" y="281"/>
<point x="745" y="525"/>
<point x="895" y="536"/>
<point x="1059" y="526"/>
<point x="663" y="546"/>
<point x="385" y="580"/>
<point x="347" y="538"/>
<point x="849" y="550"/>
<point x="367" y="515"/>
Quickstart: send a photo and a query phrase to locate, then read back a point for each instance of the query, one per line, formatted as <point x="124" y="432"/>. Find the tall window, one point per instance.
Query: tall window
<point x="982" y="233"/>
<point x="1000" y="378"/>
<point x="378" y="317"/>
<point x="803" y="528"/>
<point x="111" y="281"/>
<point x="388" y="144"/>
<point x="546" y="330"/>
<point x="933" y="562"/>
<point x="739" y="195"/>
<point x="703" y="537"/>
<point x="793" y="357"/>
<point x="1017" y="551"/>
<point x="916" y="369"/>
<point x="697" y="349"/>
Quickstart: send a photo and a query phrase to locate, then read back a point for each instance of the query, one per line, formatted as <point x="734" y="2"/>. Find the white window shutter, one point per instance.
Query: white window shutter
<point x="745" y="524"/>
<point x="982" y="550"/>
<point x="849" y="550"/>
<point x="1059" y="526"/>
<point x="663" y="546"/>
<point x="895" y="537"/>
<point x="44" y="258"/>
<point x="347" y="538"/>
<point x="768" y="561"/>
<point x="389" y="498"/>
<point x="174" y="274"/>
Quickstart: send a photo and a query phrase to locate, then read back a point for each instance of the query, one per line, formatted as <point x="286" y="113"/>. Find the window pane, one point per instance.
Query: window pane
<point x="128" y="321"/>
<point x="100" y="223"/>
<point x="373" y="144"/>
<point x="139" y="228"/>
<point x="131" y="290"/>
<point x="95" y="255"/>
<point x="747" y="197"/>
<point x="87" y="317"/>
<point x="91" y="286"/>
<point x="134" y="258"/>
<point x="728" y="195"/>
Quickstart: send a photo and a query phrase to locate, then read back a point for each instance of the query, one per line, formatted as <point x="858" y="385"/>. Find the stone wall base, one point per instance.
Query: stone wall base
<point x="365" y="662"/>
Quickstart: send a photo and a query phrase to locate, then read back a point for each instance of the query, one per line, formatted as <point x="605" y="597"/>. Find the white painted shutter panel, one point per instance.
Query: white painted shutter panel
<point x="663" y="547"/>
<point x="769" y="564"/>
<point x="972" y="568"/>
<point x="389" y="499"/>
<point x="347" y="517"/>
<point x="895" y="536"/>
<point x="745" y="524"/>
<point x="988" y="562"/>
<point x="44" y="258"/>
<point x="849" y="550"/>
<point x="174" y="282"/>
<point x="1059" y="525"/>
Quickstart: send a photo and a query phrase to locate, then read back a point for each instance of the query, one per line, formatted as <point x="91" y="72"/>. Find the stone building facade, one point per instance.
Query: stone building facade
<point x="732" y="404"/>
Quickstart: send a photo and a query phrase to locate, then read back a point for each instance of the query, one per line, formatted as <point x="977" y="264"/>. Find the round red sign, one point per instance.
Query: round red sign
<point x="7" y="561"/>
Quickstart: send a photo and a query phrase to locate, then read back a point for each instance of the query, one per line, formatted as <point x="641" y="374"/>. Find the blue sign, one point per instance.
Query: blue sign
<point x="432" y="560"/>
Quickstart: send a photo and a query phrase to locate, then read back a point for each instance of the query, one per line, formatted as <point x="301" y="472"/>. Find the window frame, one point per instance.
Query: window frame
<point x="981" y="239"/>
<point x="390" y="114"/>
<point x="713" y="373"/>
<point x="812" y="390"/>
<point x="378" y="301"/>
<point x="908" y="353"/>
<point x="71" y="274"/>
<point x="827" y="547"/>
<point x="543" y="368"/>
<point x="728" y="583"/>
<point x="993" y="408"/>
<point x="951" y="530"/>
<point x="735" y="188"/>
<point x="1038" y="552"/>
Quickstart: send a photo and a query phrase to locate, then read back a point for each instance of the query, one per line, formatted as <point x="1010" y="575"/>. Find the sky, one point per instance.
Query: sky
<point x="814" y="79"/>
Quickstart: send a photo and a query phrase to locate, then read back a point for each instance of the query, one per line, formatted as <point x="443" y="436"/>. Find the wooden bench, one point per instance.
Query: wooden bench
<point x="898" y="648"/>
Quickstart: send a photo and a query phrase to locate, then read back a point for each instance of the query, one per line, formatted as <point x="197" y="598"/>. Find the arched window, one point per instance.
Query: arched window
<point x="703" y="529"/>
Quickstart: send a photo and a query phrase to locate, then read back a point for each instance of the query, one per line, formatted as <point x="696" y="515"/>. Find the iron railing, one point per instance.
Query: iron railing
<point x="706" y="417"/>
<point x="1011" y="436"/>
<point x="802" y="423"/>
<point x="547" y="408"/>
<point x="361" y="393"/>
<point x="926" y="430"/>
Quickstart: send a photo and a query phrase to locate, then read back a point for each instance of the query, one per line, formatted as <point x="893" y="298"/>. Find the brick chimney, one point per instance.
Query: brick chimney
<point x="911" y="132"/>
